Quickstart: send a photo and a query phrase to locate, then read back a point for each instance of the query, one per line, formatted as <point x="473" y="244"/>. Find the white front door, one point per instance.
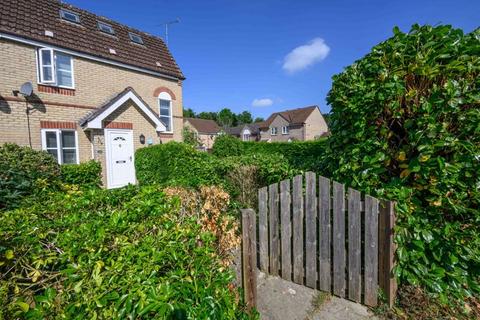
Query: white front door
<point x="119" y="157"/>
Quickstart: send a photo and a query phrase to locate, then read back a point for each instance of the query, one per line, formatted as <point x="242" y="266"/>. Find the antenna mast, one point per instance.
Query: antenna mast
<point x="166" y="28"/>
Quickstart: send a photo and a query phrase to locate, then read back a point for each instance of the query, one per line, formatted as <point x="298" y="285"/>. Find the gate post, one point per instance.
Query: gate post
<point x="386" y="251"/>
<point x="249" y="257"/>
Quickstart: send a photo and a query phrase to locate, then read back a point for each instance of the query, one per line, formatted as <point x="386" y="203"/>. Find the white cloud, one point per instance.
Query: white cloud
<point x="306" y="55"/>
<point x="264" y="102"/>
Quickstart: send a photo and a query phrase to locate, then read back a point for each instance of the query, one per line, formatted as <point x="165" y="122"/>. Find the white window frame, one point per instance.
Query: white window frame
<point x="54" y="82"/>
<point x="108" y="26"/>
<point x="41" y="65"/>
<point x="166" y="97"/>
<point x="63" y="16"/>
<point x="246" y="137"/>
<point x="273" y="131"/>
<point x="59" y="148"/>
<point x="285" y="130"/>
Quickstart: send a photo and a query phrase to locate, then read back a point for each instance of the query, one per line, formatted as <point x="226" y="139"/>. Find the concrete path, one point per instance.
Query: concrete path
<point x="283" y="300"/>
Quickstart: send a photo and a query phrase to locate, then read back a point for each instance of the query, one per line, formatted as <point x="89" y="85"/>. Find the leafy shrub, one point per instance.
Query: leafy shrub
<point x="24" y="171"/>
<point x="227" y="145"/>
<point x="175" y="163"/>
<point x="111" y="254"/>
<point x="87" y="174"/>
<point x="303" y="155"/>
<point x="178" y="164"/>
<point x="405" y="124"/>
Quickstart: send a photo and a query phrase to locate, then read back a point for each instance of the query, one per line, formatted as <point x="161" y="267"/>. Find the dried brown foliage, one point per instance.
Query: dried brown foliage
<point x="210" y="206"/>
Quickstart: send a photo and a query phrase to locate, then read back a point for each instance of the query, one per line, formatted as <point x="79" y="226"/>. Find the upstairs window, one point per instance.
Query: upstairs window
<point x="135" y="38"/>
<point x="105" y="27"/>
<point x="55" y="68"/>
<point x="69" y="16"/>
<point x="274" y="131"/>
<point x="285" y="130"/>
<point x="165" y="105"/>
<point x="61" y="144"/>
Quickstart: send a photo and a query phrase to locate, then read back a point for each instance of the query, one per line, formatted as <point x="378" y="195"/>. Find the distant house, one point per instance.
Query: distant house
<point x="246" y="132"/>
<point x="206" y="130"/>
<point x="298" y="124"/>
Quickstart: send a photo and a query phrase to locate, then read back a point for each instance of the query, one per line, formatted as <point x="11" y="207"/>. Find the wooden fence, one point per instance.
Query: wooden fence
<point x="315" y="234"/>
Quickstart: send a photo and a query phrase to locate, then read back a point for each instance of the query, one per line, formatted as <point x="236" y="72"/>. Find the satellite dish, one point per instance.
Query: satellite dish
<point x="26" y="89"/>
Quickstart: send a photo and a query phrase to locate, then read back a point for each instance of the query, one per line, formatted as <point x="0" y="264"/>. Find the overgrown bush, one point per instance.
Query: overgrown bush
<point x="179" y="164"/>
<point x="175" y="163"/>
<point x="227" y="145"/>
<point x="24" y="171"/>
<point x="86" y="174"/>
<point x="405" y="125"/>
<point x="113" y="254"/>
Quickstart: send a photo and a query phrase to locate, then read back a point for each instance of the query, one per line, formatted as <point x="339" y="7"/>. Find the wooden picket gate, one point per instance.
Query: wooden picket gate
<point x="321" y="238"/>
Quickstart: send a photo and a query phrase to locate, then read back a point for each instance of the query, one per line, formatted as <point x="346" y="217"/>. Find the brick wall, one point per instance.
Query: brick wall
<point x="95" y="83"/>
<point x="315" y="125"/>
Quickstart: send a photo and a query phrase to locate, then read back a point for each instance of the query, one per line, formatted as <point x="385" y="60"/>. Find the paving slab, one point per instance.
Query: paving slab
<point x="279" y="299"/>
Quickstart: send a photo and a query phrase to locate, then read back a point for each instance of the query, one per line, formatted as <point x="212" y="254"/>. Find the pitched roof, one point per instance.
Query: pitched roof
<point x="294" y="116"/>
<point x="203" y="125"/>
<point x="236" y="131"/>
<point x="30" y="19"/>
<point x="93" y="119"/>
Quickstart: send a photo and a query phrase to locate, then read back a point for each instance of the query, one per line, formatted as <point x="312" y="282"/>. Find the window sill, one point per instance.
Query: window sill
<point x="56" y="90"/>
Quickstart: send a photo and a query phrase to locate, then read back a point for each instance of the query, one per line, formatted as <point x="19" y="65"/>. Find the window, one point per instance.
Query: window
<point x="246" y="137"/>
<point x="105" y="27"/>
<point x="55" y="68"/>
<point x="166" y="111"/>
<point x="69" y="16"/>
<point x="135" y="38"/>
<point x="274" y="131"/>
<point x="285" y="130"/>
<point x="62" y="144"/>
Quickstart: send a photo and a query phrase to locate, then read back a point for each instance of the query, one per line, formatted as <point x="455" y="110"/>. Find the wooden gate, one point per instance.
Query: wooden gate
<point x="315" y="233"/>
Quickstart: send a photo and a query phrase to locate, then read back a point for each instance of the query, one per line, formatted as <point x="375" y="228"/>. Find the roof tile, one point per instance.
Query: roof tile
<point x="29" y="19"/>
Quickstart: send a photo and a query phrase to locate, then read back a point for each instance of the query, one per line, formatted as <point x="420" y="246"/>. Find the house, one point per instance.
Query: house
<point x="291" y="125"/>
<point x="246" y="132"/>
<point x="101" y="89"/>
<point x="205" y="130"/>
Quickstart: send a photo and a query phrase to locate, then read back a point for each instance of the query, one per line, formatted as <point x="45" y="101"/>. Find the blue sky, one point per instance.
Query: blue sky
<point x="266" y="55"/>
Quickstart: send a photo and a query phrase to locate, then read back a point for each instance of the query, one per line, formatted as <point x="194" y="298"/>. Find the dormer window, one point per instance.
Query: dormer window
<point x="135" y="38"/>
<point x="69" y="16"/>
<point x="105" y="27"/>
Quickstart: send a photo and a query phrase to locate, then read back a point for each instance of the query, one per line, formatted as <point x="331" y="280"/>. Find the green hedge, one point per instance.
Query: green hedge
<point x="23" y="172"/>
<point x="303" y="155"/>
<point x="405" y="125"/>
<point x="180" y="164"/>
<point x="110" y="254"/>
<point x="86" y="174"/>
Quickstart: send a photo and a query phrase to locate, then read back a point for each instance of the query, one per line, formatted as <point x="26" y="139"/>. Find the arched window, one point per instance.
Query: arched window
<point x="165" y="110"/>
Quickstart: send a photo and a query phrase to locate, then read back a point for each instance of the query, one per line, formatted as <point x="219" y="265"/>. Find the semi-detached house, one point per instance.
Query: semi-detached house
<point x="101" y="89"/>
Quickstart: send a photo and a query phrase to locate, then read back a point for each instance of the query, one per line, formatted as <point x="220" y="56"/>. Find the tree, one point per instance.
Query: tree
<point x="244" y="117"/>
<point x="258" y="119"/>
<point x="207" y="115"/>
<point x="226" y="118"/>
<point x="188" y="113"/>
<point x="405" y="126"/>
